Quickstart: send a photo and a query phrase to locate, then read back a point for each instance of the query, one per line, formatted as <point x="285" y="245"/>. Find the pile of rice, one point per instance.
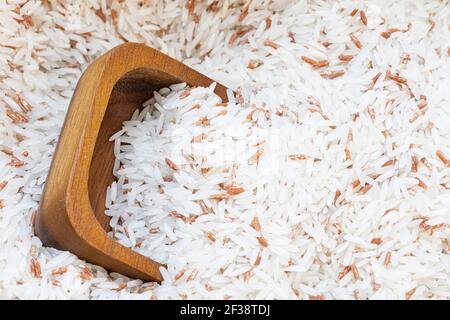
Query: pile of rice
<point x="326" y="176"/>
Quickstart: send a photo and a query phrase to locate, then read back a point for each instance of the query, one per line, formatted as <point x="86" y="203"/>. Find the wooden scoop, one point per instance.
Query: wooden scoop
<point x="71" y="214"/>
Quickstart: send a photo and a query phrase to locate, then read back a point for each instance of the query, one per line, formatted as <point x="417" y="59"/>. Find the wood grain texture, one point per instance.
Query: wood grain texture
<point x="71" y="214"/>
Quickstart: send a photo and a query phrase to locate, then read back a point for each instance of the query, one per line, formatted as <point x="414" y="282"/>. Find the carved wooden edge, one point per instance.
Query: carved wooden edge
<point x="65" y="219"/>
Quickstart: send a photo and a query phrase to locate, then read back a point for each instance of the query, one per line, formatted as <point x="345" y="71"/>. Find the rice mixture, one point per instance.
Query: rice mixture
<point x="325" y="176"/>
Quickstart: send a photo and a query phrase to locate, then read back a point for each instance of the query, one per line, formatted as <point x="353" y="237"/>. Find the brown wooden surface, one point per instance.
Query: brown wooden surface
<point x="71" y="214"/>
